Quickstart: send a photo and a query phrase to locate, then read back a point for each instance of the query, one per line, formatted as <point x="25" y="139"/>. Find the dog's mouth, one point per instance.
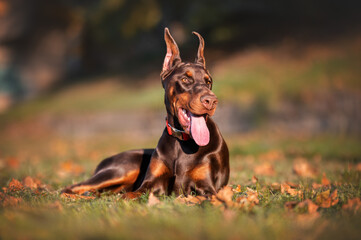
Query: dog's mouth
<point x="195" y="125"/>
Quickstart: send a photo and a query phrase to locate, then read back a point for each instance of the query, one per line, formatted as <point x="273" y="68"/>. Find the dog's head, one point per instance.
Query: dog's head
<point x="189" y="98"/>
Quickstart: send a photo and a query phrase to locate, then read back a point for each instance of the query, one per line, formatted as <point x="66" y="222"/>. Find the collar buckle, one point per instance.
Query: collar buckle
<point x="180" y="134"/>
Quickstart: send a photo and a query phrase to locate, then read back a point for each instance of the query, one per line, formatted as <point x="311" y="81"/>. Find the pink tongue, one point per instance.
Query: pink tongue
<point x="199" y="130"/>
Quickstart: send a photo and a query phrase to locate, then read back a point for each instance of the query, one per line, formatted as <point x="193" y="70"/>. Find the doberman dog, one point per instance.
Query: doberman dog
<point x="191" y="155"/>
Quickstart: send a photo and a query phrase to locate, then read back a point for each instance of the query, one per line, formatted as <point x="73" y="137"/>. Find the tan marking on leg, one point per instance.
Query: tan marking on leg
<point x="129" y="178"/>
<point x="200" y="172"/>
<point x="158" y="168"/>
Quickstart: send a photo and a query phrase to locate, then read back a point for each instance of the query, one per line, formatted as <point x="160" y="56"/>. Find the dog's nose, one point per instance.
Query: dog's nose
<point x="209" y="101"/>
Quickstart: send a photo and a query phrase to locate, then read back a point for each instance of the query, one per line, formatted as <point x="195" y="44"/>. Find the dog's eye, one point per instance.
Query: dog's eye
<point x="185" y="80"/>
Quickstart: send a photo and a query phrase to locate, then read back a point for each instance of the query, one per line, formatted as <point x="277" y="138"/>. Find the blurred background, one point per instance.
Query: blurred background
<point x="80" y="69"/>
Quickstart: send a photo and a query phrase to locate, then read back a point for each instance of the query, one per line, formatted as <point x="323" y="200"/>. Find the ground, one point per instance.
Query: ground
<point x="289" y="180"/>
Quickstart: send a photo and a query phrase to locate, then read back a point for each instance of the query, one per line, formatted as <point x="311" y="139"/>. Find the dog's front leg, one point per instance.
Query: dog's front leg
<point x="157" y="177"/>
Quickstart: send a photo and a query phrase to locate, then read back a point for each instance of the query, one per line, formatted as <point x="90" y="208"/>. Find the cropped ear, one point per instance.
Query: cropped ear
<point x="200" y="55"/>
<point x="172" y="57"/>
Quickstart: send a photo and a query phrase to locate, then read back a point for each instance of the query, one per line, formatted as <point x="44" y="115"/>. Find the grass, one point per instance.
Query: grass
<point x="46" y="214"/>
<point x="56" y="160"/>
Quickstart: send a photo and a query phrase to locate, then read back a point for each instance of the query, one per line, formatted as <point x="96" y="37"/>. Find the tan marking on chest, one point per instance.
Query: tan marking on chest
<point x="200" y="172"/>
<point x="158" y="168"/>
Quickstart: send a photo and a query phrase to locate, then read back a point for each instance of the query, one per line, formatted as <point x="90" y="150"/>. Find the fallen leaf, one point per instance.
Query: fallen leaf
<point x="325" y="182"/>
<point x="285" y="188"/>
<point x="325" y="200"/>
<point x="271" y="156"/>
<point x="153" y="200"/>
<point x="292" y="185"/>
<point x="276" y="186"/>
<point x="254" y="179"/>
<point x="15" y="185"/>
<point x="215" y="201"/>
<point x="13" y="162"/>
<point x="316" y="185"/>
<point x="265" y="169"/>
<point x="311" y="207"/>
<point x="30" y="183"/>
<point x="334" y="198"/>
<point x="302" y="168"/>
<point x="223" y="197"/>
<point x="76" y="196"/>
<point x="249" y="200"/>
<point x="238" y="189"/>
<point x="69" y="168"/>
<point x="294" y="192"/>
<point x="10" y="201"/>
<point x="190" y="200"/>
<point x="358" y="167"/>
<point x="130" y="195"/>
<point x="353" y="205"/>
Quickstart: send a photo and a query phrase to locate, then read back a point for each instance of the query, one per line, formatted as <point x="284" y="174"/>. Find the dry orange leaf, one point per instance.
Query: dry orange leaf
<point x="69" y="167"/>
<point x="292" y="185"/>
<point x="325" y="181"/>
<point x="30" y="182"/>
<point x="353" y="205"/>
<point x="153" y="200"/>
<point x="325" y="200"/>
<point x="285" y="188"/>
<point x="316" y="185"/>
<point x="190" y="200"/>
<point x="15" y="185"/>
<point x="238" y="189"/>
<point x="225" y="194"/>
<point x="358" y="167"/>
<point x="265" y="169"/>
<point x="311" y="207"/>
<point x="13" y="162"/>
<point x="10" y="201"/>
<point x="76" y="196"/>
<point x="250" y="200"/>
<point x="294" y="192"/>
<point x="302" y="168"/>
<point x="130" y="195"/>
<point x="254" y="179"/>
<point x="223" y="197"/>
<point x="276" y="186"/>
<point x="271" y="156"/>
